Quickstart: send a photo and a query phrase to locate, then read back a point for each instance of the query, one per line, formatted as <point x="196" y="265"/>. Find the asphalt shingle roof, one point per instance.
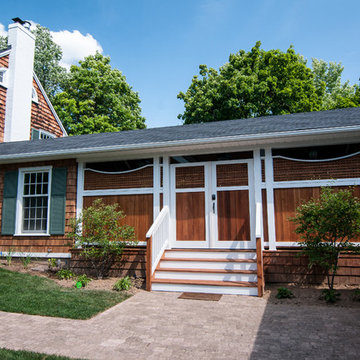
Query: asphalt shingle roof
<point x="268" y="125"/>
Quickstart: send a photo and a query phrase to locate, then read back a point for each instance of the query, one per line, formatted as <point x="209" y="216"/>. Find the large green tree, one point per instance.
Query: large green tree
<point x="96" y="98"/>
<point x="333" y="93"/>
<point x="251" y="84"/>
<point x="46" y="60"/>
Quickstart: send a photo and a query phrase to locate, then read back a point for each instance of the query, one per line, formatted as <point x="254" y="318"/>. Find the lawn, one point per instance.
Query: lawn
<point x="6" y="354"/>
<point x="28" y="294"/>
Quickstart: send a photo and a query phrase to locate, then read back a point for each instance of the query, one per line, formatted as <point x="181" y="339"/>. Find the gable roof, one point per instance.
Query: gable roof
<point x="321" y="122"/>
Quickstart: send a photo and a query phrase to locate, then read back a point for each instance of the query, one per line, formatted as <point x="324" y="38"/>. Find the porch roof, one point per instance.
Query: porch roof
<point x="321" y="122"/>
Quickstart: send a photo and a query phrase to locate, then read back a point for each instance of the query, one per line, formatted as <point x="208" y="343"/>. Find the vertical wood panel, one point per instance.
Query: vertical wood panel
<point x="190" y="216"/>
<point x="286" y="201"/>
<point x="138" y="210"/>
<point x="233" y="215"/>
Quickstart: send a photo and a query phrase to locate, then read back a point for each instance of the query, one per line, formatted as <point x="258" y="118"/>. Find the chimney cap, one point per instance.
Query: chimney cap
<point x="24" y="23"/>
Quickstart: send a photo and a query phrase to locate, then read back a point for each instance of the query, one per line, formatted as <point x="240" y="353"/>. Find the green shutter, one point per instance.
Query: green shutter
<point x="35" y="134"/>
<point x="9" y="203"/>
<point x="58" y="201"/>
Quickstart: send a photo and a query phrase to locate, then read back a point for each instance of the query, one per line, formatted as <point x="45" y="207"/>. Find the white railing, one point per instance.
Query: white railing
<point x="157" y="240"/>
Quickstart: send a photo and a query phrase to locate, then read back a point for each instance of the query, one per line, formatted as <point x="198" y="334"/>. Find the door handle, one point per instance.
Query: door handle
<point x="213" y="207"/>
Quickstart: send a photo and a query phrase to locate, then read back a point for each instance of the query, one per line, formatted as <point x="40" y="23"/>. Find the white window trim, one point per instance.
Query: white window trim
<point x="19" y="201"/>
<point x="4" y="71"/>
<point x="50" y="135"/>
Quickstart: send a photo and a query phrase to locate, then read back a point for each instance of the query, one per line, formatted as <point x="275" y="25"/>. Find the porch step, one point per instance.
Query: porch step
<point x="206" y="274"/>
<point x="217" y="271"/>
<point x="215" y="254"/>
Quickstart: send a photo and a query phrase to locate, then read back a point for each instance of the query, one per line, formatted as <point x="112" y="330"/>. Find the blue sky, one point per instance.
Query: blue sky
<point x="159" y="44"/>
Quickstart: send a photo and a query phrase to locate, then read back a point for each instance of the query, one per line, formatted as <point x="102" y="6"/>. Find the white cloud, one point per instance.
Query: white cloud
<point x="75" y="46"/>
<point x="3" y="32"/>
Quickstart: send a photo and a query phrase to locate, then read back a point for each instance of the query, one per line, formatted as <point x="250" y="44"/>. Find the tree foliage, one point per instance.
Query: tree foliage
<point x="333" y="94"/>
<point x="46" y="61"/>
<point x="96" y="98"/>
<point x="327" y="225"/>
<point x="3" y="42"/>
<point x="100" y="235"/>
<point x="251" y="84"/>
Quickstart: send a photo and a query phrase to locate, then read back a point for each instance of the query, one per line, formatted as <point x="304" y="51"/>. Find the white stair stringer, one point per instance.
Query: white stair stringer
<point x="207" y="271"/>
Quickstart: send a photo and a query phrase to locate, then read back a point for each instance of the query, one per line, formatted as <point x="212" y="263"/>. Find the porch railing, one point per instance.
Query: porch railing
<point x="157" y="241"/>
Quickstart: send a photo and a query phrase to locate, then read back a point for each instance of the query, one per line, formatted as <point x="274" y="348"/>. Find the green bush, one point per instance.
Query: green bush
<point x="356" y="295"/>
<point x="83" y="279"/>
<point x="284" y="293"/>
<point x="100" y="237"/>
<point x="51" y="263"/>
<point x="122" y="284"/>
<point x="327" y="225"/>
<point x="26" y="260"/>
<point x="330" y="295"/>
<point x="65" y="274"/>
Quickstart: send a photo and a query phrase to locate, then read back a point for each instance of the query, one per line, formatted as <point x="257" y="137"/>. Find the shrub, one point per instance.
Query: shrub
<point x="100" y="236"/>
<point x="9" y="256"/>
<point x="65" y="274"/>
<point x="284" y="293"/>
<point x="356" y="295"/>
<point x="51" y="263"/>
<point x="83" y="279"/>
<point x="122" y="284"/>
<point x="330" y="295"/>
<point x="327" y="225"/>
<point x="26" y="260"/>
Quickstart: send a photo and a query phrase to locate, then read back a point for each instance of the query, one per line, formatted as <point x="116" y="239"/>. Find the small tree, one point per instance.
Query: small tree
<point x="327" y="225"/>
<point x="100" y="236"/>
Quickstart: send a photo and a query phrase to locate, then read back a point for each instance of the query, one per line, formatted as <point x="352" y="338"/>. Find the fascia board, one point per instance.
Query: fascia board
<point x="258" y="139"/>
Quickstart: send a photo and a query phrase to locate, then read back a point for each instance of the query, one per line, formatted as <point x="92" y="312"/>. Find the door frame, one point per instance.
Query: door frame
<point x="211" y="217"/>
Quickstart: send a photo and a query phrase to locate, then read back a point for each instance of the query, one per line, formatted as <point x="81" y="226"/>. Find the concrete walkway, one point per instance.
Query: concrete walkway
<point x="160" y="326"/>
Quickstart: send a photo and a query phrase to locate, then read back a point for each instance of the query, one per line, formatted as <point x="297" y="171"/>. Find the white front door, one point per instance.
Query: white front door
<point x="212" y="204"/>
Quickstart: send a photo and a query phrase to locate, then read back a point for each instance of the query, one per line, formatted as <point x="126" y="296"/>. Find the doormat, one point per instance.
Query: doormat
<point x="200" y="296"/>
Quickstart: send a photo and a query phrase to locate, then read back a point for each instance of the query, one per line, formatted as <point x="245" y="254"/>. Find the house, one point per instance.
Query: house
<point x="25" y="110"/>
<point x="209" y="202"/>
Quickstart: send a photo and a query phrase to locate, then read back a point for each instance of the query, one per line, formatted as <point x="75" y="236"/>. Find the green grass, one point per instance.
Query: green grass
<point x="24" y="293"/>
<point x="6" y="354"/>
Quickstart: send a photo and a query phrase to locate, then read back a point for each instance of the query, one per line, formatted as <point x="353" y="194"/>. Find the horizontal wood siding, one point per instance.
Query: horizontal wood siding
<point x="233" y="215"/>
<point x="132" y="263"/>
<point x="42" y="118"/>
<point x="53" y="243"/>
<point x="288" y="170"/>
<point x="284" y="266"/>
<point x="142" y="178"/>
<point x="231" y="175"/>
<point x="190" y="216"/>
<point x="286" y="201"/>
<point x="138" y="210"/>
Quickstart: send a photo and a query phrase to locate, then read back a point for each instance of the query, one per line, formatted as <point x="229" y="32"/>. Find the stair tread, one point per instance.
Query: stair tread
<point x="220" y="271"/>
<point x="206" y="282"/>
<point x="212" y="250"/>
<point x="210" y="260"/>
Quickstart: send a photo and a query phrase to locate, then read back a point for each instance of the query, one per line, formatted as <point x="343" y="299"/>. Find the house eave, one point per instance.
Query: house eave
<point x="278" y="139"/>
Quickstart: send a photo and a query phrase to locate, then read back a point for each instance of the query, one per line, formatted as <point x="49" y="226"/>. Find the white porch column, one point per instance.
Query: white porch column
<point x="258" y="197"/>
<point x="166" y="193"/>
<point x="156" y="187"/>
<point x="269" y="181"/>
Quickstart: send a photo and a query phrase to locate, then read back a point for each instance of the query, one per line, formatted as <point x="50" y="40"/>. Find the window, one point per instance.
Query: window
<point x="3" y="77"/>
<point x="33" y="214"/>
<point x="46" y="135"/>
<point x="34" y="95"/>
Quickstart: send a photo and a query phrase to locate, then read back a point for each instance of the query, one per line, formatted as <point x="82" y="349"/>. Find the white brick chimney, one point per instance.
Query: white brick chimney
<point x="20" y="77"/>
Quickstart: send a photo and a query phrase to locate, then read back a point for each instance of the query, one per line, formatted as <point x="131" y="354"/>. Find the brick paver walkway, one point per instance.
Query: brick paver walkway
<point x="160" y="326"/>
